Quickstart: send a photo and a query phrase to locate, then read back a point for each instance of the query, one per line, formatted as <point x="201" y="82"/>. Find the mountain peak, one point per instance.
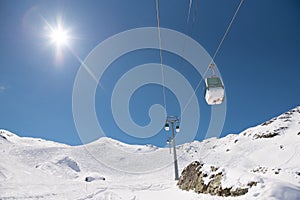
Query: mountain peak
<point x="6" y="135"/>
<point x="267" y="154"/>
<point x="285" y="123"/>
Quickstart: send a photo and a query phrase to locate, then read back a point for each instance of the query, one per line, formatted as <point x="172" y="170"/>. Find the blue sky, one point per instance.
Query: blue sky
<point x="259" y="62"/>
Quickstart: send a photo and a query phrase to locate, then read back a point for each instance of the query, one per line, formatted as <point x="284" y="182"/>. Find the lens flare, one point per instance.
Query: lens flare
<point x="59" y="36"/>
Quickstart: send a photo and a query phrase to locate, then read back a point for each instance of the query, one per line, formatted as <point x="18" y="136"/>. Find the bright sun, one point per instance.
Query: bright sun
<point x="59" y="36"/>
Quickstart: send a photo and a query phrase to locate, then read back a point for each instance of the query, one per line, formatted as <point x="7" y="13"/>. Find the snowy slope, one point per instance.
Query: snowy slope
<point x="37" y="169"/>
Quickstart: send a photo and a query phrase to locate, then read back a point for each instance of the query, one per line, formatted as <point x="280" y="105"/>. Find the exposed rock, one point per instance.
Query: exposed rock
<point x="252" y="183"/>
<point x="260" y="169"/>
<point x="194" y="178"/>
<point x="214" y="168"/>
<point x="266" y="135"/>
<point x="276" y="170"/>
<point x="190" y="176"/>
<point x="274" y="133"/>
<point x="2" y="136"/>
<point x="269" y="122"/>
<point x="238" y="192"/>
<point x="93" y="178"/>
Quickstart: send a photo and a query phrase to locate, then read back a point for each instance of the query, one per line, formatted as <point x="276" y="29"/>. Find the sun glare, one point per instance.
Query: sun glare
<point x="57" y="34"/>
<point x="59" y="37"/>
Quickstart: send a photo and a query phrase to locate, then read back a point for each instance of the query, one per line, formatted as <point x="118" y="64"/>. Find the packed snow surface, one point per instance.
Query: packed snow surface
<point x="268" y="154"/>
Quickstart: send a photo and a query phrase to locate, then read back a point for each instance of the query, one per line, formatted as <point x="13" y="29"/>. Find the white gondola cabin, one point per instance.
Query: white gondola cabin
<point x="214" y="90"/>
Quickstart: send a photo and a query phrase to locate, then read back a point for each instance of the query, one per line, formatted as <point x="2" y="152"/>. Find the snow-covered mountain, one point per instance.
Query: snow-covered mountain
<point x="268" y="154"/>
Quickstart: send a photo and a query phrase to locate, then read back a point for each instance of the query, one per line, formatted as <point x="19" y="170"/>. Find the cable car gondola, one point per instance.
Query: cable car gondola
<point x="214" y="90"/>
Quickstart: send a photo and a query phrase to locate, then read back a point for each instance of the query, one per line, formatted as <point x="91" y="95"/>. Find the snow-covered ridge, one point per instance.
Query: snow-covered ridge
<point x="108" y="169"/>
<point x="9" y="137"/>
<point x="276" y="126"/>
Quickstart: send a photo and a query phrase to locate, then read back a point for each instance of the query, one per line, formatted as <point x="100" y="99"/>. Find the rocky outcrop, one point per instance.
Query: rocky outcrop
<point x="268" y="134"/>
<point x="195" y="177"/>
